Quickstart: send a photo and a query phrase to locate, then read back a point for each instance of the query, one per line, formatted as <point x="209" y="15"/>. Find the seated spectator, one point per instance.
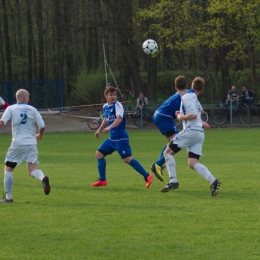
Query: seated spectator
<point x="142" y="102"/>
<point x="3" y="103"/>
<point x="247" y="96"/>
<point x="233" y="95"/>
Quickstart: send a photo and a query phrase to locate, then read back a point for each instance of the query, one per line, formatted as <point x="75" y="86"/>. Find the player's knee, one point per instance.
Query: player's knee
<point x="127" y="159"/>
<point x="99" y="155"/>
<point x="10" y="164"/>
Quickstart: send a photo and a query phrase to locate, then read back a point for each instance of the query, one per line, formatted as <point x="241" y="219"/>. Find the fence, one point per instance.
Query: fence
<point x="44" y="94"/>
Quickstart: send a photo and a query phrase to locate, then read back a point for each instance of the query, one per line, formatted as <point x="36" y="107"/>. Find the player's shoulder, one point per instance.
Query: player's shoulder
<point x="118" y="104"/>
<point x="105" y="105"/>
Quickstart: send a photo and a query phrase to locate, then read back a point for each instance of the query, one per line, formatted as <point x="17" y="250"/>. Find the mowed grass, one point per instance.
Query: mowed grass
<point x="125" y="220"/>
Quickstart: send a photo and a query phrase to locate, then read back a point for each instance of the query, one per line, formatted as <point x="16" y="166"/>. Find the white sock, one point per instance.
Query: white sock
<point x="8" y="183"/>
<point x="204" y="172"/>
<point x="171" y="167"/>
<point x="38" y="174"/>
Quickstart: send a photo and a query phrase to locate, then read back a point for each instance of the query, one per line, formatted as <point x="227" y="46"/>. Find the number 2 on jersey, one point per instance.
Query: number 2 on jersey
<point x="24" y="118"/>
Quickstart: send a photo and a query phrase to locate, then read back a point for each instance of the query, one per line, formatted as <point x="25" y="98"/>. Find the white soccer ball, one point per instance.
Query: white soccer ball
<point x="150" y="46"/>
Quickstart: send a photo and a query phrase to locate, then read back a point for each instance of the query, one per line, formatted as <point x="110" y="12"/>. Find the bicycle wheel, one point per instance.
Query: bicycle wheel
<point x="94" y="121"/>
<point x="245" y="116"/>
<point x="219" y="116"/>
<point x="204" y="116"/>
<point x="140" y="119"/>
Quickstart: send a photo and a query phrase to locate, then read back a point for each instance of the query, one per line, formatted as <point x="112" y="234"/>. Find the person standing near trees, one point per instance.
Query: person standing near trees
<point x="24" y="142"/>
<point x="247" y="96"/>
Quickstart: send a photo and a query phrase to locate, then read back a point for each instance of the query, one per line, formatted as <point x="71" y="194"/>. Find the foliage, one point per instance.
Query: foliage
<point x="125" y="220"/>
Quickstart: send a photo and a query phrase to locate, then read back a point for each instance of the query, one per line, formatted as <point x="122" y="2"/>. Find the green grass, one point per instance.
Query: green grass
<point x="125" y="220"/>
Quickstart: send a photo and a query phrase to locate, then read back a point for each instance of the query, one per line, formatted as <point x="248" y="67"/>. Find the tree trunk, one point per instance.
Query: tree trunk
<point x="29" y="39"/>
<point x="7" y="42"/>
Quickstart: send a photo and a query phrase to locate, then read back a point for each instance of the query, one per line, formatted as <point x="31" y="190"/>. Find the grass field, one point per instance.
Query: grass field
<point x="125" y="220"/>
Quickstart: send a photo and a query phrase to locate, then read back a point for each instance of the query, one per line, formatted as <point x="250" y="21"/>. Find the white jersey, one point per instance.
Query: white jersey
<point x="24" y="119"/>
<point x="191" y="105"/>
<point x="2" y="102"/>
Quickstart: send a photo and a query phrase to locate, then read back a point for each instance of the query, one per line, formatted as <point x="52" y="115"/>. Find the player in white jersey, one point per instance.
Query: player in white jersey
<point x="24" y="142"/>
<point x="191" y="137"/>
<point x="3" y="103"/>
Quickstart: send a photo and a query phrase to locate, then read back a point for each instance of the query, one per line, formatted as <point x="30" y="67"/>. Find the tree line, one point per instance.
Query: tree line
<point x="54" y="39"/>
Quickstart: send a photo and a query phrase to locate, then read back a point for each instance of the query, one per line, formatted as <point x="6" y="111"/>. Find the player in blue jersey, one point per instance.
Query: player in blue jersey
<point x="191" y="137"/>
<point x="164" y="119"/>
<point x="114" y="123"/>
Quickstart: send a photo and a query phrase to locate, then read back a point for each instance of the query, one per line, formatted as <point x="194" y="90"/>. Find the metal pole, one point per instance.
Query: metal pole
<point x="230" y="113"/>
<point x="105" y="61"/>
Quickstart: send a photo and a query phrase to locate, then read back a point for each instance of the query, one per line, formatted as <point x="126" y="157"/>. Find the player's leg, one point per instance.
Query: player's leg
<point x="169" y="130"/>
<point x="195" y="151"/>
<point x="124" y="150"/>
<point x="171" y="149"/>
<point x="104" y="149"/>
<point x="14" y="157"/>
<point x="32" y="162"/>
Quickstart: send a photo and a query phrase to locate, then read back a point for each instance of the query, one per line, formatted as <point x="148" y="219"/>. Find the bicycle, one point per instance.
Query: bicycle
<point x="94" y="120"/>
<point x="220" y="115"/>
<point x="141" y="118"/>
<point x="204" y="117"/>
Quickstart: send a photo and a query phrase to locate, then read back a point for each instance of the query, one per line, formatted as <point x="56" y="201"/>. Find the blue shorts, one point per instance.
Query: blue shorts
<point x="165" y="124"/>
<point x="122" y="147"/>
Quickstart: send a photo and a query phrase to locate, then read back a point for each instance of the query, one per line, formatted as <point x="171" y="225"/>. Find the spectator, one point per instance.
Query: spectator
<point x="142" y="102"/>
<point x="233" y="95"/>
<point x="247" y="96"/>
<point x="3" y="103"/>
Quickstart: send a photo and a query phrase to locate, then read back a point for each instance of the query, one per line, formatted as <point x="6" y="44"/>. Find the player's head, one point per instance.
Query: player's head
<point x="180" y="83"/>
<point x="198" y="84"/>
<point x="110" y="94"/>
<point x="22" y="95"/>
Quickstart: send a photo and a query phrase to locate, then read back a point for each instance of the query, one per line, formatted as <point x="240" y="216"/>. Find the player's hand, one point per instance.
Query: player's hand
<point x="106" y="130"/>
<point x="206" y="125"/>
<point x="177" y="113"/>
<point x="97" y="133"/>
<point x="38" y="137"/>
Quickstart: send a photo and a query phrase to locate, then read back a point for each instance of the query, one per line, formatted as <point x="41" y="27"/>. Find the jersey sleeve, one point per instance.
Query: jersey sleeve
<point x="6" y="116"/>
<point x="2" y="102"/>
<point x="39" y="120"/>
<point x="119" y="110"/>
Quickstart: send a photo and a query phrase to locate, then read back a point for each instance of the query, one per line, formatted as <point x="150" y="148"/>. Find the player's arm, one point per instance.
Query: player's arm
<point x="102" y="126"/>
<point x="40" y="134"/>
<point x="115" y="124"/>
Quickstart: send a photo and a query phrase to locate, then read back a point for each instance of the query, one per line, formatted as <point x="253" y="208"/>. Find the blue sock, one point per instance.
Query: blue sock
<point x="160" y="161"/>
<point x="139" y="168"/>
<point x="161" y="154"/>
<point x="102" y="169"/>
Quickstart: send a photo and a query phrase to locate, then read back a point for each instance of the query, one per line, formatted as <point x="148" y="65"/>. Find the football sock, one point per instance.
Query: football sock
<point x="160" y="161"/>
<point x="8" y="183"/>
<point x="139" y="168"/>
<point x="161" y="154"/>
<point x="102" y="169"/>
<point x="171" y="167"/>
<point x="204" y="172"/>
<point x="37" y="174"/>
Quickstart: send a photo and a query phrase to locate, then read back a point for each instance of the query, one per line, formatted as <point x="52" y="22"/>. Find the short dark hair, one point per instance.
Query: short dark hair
<point x="180" y="83"/>
<point x="109" y="89"/>
<point x="198" y="84"/>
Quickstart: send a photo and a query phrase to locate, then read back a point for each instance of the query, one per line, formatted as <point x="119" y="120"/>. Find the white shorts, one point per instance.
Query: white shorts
<point x="29" y="153"/>
<point x="192" y="139"/>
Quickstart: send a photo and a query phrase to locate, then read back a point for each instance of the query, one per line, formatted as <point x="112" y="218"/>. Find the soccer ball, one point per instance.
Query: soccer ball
<point x="150" y="46"/>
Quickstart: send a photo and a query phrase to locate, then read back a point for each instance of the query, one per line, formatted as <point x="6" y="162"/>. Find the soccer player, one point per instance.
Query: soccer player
<point x="3" y="103"/>
<point x="164" y="119"/>
<point x="114" y="123"/>
<point x="191" y="137"/>
<point x="24" y="142"/>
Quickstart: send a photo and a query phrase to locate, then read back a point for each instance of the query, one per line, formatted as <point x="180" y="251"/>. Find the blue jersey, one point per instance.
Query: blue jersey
<point x="111" y="113"/>
<point x="170" y="106"/>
